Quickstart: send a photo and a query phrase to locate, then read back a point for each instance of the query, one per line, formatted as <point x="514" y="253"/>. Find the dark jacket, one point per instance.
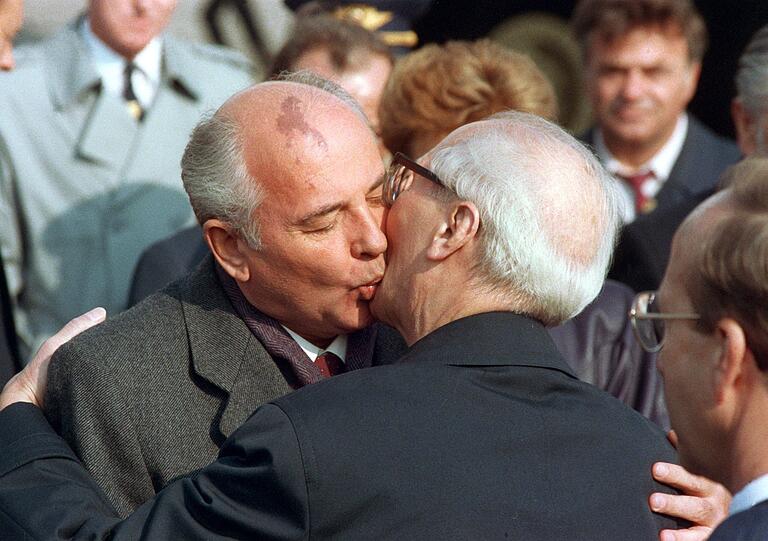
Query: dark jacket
<point x="598" y="343"/>
<point x="749" y="525"/>
<point x="643" y="250"/>
<point x="151" y="394"/>
<point x="480" y="432"/>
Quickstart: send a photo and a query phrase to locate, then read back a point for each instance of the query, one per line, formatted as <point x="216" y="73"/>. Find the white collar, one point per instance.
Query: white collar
<point x="753" y="493"/>
<point x="661" y="163"/>
<point x="110" y="65"/>
<point x="338" y="347"/>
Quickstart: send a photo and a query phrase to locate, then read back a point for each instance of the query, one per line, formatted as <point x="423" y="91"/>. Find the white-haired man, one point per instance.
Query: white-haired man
<point x="481" y="432"/>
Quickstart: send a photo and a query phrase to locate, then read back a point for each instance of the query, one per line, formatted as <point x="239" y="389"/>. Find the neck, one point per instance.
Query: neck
<point x="433" y="307"/>
<point x="748" y="459"/>
<point x="634" y="154"/>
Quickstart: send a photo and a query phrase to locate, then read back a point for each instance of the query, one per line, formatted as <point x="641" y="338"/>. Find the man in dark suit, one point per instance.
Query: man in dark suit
<point x="481" y="432"/>
<point x="642" y="65"/>
<point x="714" y="334"/>
<point x="292" y="217"/>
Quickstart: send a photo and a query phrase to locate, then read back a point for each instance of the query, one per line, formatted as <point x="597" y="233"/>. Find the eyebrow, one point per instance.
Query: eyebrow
<point x="333" y="207"/>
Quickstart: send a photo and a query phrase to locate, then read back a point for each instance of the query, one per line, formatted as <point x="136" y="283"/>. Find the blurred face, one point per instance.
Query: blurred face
<point x="639" y="84"/>
<point x="322" y="253"/>
<point x="365" y="84"/>
<point x="10" y="23"/>
<point x="127" y="26"/>
<point x="688" y="362"/>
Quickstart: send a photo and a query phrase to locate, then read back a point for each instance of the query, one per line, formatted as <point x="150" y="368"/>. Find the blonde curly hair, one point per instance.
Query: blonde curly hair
<point x="438" y="88"/>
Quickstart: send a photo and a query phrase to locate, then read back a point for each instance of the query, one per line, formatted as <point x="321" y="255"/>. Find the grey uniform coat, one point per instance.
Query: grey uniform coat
<point x="152" y="394"/>
<point x="84" y="187"/>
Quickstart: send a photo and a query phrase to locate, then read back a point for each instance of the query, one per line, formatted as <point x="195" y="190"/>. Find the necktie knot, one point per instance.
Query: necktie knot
<point x="132" y="102"/>
<point x="638" y="182"/>
<point x="329" y="364"/>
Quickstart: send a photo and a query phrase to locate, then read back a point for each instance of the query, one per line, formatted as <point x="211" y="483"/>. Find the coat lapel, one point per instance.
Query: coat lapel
<point x="225" y="353"/>
<point x="104" y="130"/>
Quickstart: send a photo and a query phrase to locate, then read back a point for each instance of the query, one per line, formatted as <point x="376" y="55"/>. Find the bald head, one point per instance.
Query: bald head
<point x="259" y="138"/>
<point x="548" y="209"/>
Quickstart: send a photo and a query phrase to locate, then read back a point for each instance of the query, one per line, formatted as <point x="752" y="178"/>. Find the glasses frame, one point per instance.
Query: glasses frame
<point x="401" y="162"/>
<point x="635" y="315"/>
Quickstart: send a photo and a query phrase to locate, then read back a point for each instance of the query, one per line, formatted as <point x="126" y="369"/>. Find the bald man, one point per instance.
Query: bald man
<point x="285" y="180"/>
<point x="480" y="432"/>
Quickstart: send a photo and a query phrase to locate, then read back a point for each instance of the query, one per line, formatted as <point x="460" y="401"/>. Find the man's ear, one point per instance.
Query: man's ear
<point x="734" y="356"/>
<point x="459" y="227"/>
<point x="227" y="247"/>
<point x="745" y="127"/>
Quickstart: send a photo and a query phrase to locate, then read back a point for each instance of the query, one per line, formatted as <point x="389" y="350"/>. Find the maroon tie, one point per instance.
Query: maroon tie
<point x="330" y="364"/>
<point x="643" y="203"/>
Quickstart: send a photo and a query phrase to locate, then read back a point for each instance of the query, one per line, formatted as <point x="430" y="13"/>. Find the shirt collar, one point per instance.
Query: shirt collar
<point x="661" y="163"/>
<point x="338" y="347"/>
<point x="753" y="493"/>
<point x="109" y="64"/>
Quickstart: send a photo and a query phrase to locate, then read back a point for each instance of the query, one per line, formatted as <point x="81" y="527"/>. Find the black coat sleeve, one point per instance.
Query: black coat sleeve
<point x="254" y="490"/>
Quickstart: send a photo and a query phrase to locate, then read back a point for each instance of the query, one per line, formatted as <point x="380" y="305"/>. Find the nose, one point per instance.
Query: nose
<point x="634" y="85"/>
<point x="369" y="241"/>
<point x="7" y="62"/>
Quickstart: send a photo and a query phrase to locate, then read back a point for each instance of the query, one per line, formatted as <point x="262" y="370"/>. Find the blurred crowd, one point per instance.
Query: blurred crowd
<point x="534" y="323"/>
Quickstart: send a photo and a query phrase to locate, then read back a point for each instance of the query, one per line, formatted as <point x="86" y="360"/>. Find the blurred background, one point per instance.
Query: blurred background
<point x="537" y="27"/>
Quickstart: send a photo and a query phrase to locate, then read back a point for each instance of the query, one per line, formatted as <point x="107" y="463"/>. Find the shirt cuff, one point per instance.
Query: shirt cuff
<point x="26" y="435"/>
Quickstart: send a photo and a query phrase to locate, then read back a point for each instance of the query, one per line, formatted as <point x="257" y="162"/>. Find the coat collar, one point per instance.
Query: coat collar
<point x="71" y="74"/>
<point x="490" y="339"/>
<point x="224" y="352"/>
<point x="69" y="70"/>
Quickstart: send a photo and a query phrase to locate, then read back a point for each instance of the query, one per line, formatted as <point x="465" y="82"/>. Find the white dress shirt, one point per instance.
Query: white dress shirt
<point x="338" y="347"/>
<point x="660" y="164"/>
<point x="753" y="493"/>
<point x="111" y="66"/>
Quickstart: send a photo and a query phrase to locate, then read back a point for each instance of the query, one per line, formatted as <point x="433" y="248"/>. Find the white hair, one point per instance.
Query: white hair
<point x="549" y="211"/>
<point x="752" y="84"/>
<point x="214" y="172"/>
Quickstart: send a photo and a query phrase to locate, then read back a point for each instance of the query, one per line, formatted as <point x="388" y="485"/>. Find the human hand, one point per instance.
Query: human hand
<point x="29" y="384"/>
<point x="704" y="503"/>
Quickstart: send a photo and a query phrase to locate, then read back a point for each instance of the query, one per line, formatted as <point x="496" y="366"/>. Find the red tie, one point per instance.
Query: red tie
<point x="643" y="203"/>
<point x="330" y="364"/>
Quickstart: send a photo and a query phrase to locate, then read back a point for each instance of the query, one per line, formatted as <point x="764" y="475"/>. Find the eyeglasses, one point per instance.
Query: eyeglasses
<point x="400" y="177"/>
<point x="648" y="322"/>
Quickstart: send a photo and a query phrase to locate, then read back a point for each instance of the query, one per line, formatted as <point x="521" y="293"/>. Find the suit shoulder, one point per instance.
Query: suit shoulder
<point x="127" y="337"/>
<point x="27" y="76"/>
<point x="748" y="525"/>
<point x="724" y="149"/>
<point x="220" y="55"/>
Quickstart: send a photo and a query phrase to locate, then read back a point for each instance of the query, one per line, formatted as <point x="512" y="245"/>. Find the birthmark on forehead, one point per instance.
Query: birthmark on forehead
<point x="292" y="123"/>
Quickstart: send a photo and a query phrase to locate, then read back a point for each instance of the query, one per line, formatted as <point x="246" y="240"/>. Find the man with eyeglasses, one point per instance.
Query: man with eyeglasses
<point x="481" y="431"/>
<point x="710" y="322"/>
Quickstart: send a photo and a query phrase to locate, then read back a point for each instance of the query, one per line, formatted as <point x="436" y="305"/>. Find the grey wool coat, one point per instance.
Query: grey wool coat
<point x="151" y="394"/>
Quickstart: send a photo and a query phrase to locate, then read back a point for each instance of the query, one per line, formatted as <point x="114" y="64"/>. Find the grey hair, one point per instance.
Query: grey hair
<point x="752" y="83"/>
<point x="525" y="253"/>
<point x="214" y="172"/>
